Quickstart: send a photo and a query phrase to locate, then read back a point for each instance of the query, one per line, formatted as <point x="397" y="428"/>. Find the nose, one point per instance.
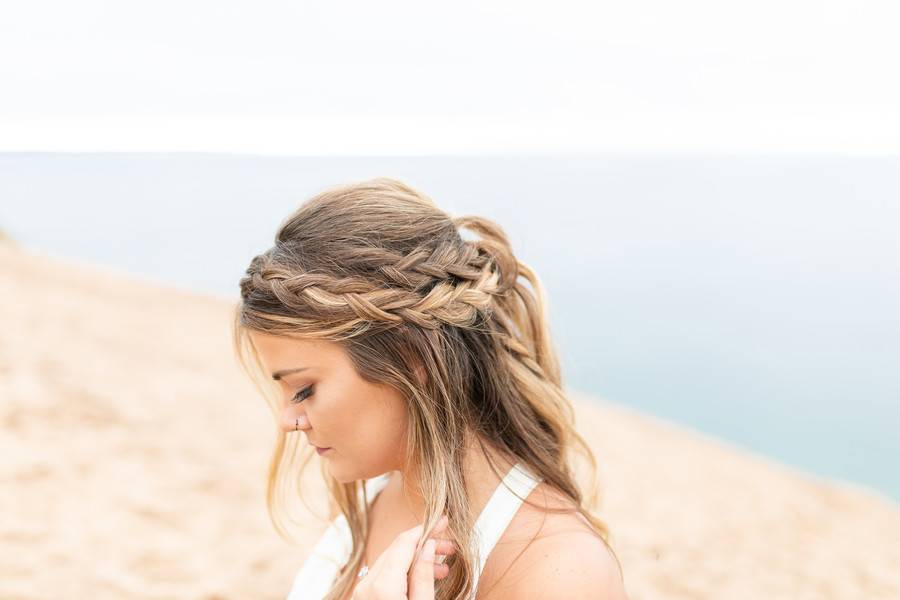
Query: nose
<point x="292" y="420"/>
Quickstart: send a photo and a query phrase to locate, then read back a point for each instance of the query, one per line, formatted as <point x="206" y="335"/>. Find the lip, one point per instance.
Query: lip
<point x="322" y="450"/>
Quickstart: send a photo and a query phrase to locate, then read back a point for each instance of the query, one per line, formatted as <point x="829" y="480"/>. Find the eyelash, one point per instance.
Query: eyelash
<point x="294" y="400"/>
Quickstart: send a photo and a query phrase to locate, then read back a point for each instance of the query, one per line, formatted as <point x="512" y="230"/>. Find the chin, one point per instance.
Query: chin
<point x="350" y="475"/>
<point x="342" y="475"/>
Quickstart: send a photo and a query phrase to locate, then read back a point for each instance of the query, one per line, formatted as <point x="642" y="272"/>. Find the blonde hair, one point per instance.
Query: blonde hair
<point x="377" y="267"/>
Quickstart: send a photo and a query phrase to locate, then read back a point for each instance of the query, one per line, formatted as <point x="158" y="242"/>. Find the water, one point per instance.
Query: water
<point x="751" y="298"/>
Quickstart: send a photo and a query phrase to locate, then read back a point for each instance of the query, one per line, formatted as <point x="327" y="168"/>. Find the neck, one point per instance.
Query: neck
<point x="404" y="491"/>
<point x="481" y="481"/>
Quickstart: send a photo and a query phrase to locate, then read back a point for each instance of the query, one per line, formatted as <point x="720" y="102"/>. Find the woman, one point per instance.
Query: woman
<point x="420" y="369"/>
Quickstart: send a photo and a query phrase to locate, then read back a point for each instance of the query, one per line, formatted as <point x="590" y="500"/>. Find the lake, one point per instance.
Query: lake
<point x="750" y="298"/>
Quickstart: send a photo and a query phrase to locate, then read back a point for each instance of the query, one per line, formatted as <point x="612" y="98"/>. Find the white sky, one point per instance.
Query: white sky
<point x="321" y="78"/>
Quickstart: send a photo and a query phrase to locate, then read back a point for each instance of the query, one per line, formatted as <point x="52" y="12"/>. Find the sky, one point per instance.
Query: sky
<point x="400" y="78"/>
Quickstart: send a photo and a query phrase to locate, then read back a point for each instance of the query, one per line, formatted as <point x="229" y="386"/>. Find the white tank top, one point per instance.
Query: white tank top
<point x="333" y="549"/>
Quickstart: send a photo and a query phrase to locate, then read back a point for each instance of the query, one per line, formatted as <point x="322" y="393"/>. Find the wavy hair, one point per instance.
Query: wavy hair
<point x="377" y="267"/>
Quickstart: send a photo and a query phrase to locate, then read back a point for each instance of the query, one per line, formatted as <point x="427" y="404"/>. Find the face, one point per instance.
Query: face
<point x="363" y="424"/>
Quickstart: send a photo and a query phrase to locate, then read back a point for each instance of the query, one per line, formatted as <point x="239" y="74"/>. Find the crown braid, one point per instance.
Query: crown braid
<point x="365" y="288"/>
<point x="449" y="283"/>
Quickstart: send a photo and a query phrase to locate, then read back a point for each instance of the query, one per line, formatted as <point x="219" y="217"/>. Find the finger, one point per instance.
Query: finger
<point x="441" y="571"/>
<point x="439" y="531"/>
<point x="441" y="525"/>
<point x="399" y="555"/>
<point x="421" y="575"/>
<point x="445" y="547"/>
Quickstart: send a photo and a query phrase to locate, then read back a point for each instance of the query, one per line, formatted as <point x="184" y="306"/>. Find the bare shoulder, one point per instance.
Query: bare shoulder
<point x="544" y="555"/>
<point x="573" y="565"/>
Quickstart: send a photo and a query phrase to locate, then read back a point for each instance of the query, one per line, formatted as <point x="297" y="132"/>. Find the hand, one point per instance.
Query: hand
<point x="395" y="577"/>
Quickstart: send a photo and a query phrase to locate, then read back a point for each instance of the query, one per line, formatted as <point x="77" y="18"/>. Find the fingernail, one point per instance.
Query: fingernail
<point x="428" y="552"/>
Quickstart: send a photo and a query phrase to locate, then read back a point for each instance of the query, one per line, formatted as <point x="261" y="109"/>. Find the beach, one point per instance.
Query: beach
<point x="134" y="455"/>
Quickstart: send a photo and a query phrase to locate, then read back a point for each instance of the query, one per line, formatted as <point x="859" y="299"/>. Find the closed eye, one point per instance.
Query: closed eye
<point x="302" y="395"/>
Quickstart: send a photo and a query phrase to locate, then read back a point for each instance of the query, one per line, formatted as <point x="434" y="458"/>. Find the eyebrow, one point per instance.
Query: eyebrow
<point x="281" y="373"/>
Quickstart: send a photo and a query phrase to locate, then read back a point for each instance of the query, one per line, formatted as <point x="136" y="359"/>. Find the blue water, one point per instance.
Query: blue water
<point x="751" y="298"/>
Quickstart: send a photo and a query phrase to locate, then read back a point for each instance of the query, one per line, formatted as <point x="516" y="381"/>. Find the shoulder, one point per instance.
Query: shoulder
<point x="574" y="565"/>
<point x="546" y="555"/>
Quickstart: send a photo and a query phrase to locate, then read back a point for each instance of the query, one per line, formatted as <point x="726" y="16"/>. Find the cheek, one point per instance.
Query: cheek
<point x="376" y="430"/>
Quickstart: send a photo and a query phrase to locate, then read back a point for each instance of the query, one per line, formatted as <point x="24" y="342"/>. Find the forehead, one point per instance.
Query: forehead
<point x="282" y="351"/>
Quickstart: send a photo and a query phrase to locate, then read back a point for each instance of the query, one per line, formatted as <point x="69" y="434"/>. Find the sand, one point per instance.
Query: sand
<point x="133" y="455"/>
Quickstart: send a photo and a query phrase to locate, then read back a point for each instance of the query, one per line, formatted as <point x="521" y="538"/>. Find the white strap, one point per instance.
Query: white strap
<point x="499" y="512"/>
<point x="315" y="577"/>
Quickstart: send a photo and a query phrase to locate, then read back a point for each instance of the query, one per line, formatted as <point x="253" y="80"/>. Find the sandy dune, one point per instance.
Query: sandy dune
<point x="134" y="455"/>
